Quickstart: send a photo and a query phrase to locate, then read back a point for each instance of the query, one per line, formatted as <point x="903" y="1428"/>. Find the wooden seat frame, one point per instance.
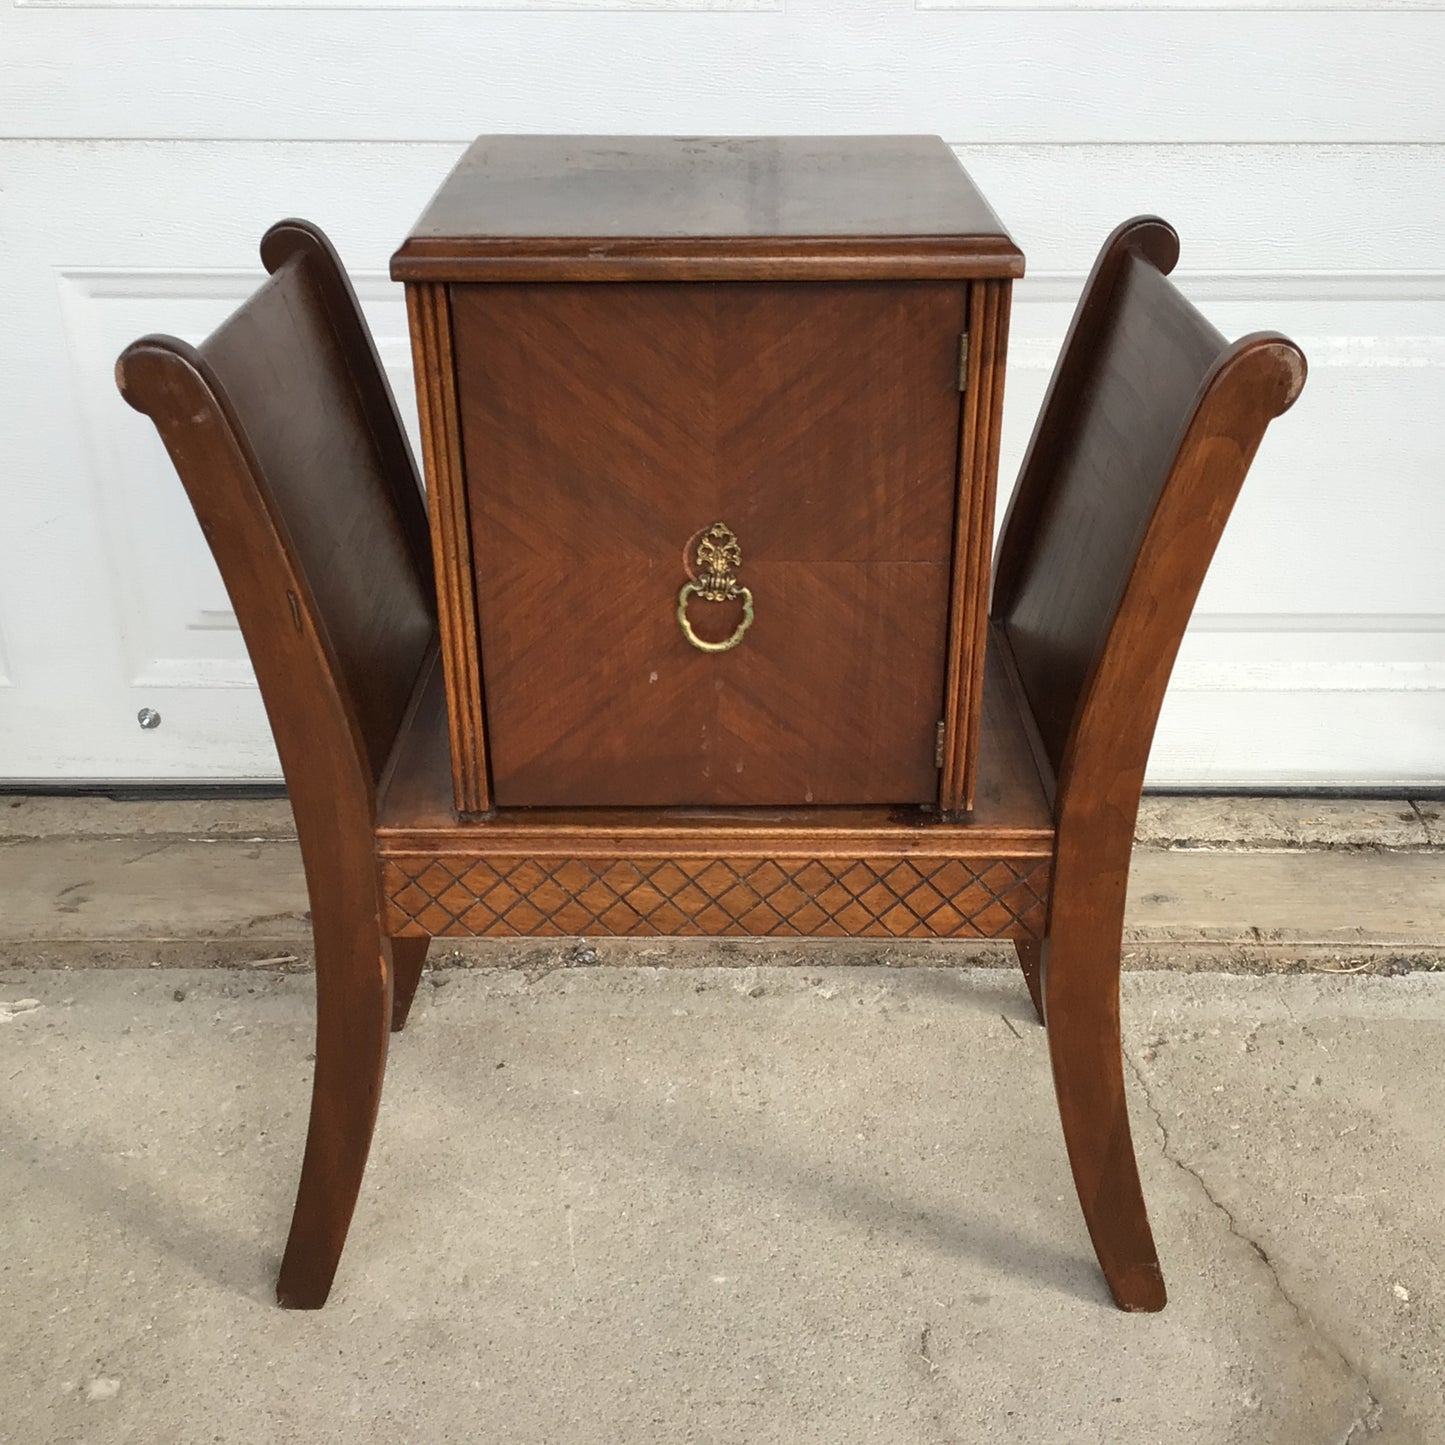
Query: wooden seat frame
<point x="1146" y="434"/>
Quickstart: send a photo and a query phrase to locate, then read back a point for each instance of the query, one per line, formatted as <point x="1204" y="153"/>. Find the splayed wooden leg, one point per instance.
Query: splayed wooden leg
<point x="1030" y="955"/>
<point x="353" y="1018"/>
<point x="1081" y="983"/>
<point x="407" y="957"/>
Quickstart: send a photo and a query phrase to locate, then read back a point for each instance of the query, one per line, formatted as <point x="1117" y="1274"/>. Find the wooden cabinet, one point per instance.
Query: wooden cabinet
<point x="711" y="436"/>
<point x="578" y="419"/>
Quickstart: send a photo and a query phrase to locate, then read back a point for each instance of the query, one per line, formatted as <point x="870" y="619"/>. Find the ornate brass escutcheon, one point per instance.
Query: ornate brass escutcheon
<point x="718" y="558"/>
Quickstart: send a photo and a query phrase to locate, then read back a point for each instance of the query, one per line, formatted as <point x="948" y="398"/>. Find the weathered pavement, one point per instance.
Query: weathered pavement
<point x="1244" y="885"/>
<point x="746" y="1205"/>
<point x="808" y="1195"/>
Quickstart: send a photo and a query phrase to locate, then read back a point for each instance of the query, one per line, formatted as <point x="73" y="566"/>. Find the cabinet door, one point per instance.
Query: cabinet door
<point x="605" y="428"/>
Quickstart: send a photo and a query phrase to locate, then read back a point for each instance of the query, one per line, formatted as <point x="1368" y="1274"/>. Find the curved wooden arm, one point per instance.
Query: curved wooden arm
<point x="285" y="435"/>
<point x="1254" y="381"/>
<point x="1150" y="424"/>
<point x="1149" y="427"/>
<point x="305" y="488"/>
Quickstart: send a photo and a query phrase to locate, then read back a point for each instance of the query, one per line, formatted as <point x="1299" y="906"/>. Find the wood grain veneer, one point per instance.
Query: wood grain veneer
<point x="604" y="428"/>
<point x="700" y="208"/>
<point x="584" y="435"/>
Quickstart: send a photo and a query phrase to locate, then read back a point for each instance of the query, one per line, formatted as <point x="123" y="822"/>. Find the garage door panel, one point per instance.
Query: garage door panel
<point x="1319" y="624"/>
<point x="382" y="71"/>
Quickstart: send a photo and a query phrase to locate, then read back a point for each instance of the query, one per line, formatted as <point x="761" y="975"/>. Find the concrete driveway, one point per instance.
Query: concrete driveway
<point x="747" y="1204"/>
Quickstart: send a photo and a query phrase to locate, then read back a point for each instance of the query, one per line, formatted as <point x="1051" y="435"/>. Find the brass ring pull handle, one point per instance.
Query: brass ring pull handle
<point x="691" y="589"/>
<point x="718" y="557"/>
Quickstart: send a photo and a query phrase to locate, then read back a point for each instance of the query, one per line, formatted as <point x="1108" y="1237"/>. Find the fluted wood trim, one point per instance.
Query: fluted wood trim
<point x="429" y="313"/>
<point x="980" y="426"/>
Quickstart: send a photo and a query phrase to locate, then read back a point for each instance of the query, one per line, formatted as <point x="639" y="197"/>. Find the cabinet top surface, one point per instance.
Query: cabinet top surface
<point x="640" y="207"/>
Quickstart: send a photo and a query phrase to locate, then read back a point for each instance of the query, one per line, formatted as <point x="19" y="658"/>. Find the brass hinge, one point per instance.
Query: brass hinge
<point x="938" y="747"/>
<point x="963" y="362"/>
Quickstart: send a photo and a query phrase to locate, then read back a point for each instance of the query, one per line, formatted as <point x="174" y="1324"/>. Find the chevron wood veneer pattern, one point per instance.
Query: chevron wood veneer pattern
<point x="603" y="428"/>
<point x="687" y="895"/>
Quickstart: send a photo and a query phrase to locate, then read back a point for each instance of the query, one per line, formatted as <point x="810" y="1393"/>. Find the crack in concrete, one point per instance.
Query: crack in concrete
<point x="925" y="1350"/>
<point x="260" y="920"/>
<point x="1426" y="822"/>
<point x="1367" y="1422"/>
<point x="1367" y="1418"/>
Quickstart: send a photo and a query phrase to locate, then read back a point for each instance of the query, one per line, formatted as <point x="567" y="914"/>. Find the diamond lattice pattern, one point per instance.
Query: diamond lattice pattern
<point x="757" y="897"/>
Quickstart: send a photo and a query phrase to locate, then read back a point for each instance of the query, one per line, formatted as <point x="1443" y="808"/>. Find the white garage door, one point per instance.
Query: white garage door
<point x="1300" y="151"/>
